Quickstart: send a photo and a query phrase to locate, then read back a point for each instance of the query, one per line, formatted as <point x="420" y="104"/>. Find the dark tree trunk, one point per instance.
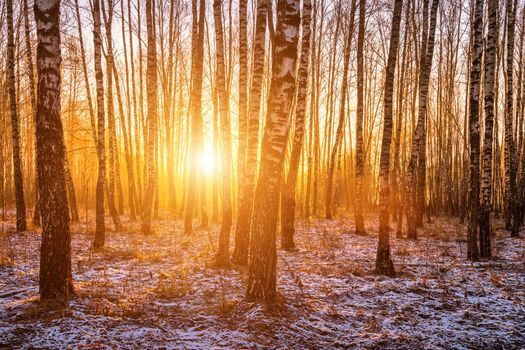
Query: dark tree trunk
<point x="475" y="73"/>
<point x="17" y="162"/>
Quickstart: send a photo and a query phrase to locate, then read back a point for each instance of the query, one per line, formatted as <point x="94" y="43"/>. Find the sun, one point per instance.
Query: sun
<point x="207" y="159"/>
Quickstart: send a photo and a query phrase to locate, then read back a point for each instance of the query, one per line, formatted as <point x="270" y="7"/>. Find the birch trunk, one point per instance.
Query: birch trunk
<point x="196" y="109"/>
<point x="288" y="195"/>
<point x="108" y="22"/>
<point x="342" y="111"/>
<point x="244" y="216"/>
<point x="15" y="133"/>
<point x="384" y="265"/>
<point x="223" y="254"/>
<point x="101" y="129"/>
<point x="511" y="220"/>
<point x="475" y="73"/>
<point x="263" y="257"/>
<point x="55" y="257"/>
<point x="418" y="138"/>
<point x="358" y="207"/>
<point x="490" y="72"/>
<point x="151" y="90"/>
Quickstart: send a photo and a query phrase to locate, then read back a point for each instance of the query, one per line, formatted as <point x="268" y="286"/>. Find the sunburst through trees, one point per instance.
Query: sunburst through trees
<point x="250" y="124"/>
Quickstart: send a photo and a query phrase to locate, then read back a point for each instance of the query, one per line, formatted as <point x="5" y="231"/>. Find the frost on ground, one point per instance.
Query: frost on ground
<point x="162" y="291"/>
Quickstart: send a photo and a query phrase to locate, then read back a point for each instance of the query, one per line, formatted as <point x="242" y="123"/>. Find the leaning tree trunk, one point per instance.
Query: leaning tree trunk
<point x="475" y="73"/>
<point x="127" y="151"/>
<point x="418" y="139"/>
<point x="359" y="162"/>
<point x="71" y="194"/>
<point x="85" y="73"/>
<point x="244" y="215"/>
<point x="384" y="265"/>
<point x="490" y="72"/>
<point x="17" y="162"/>
<point x="151" y="90"/>
<point x="55" y="257"/>
<point x="288" y="193"/>
<point x="108" y="22"/>
<point x="263" y="257"/>
<point x="223" y="253"/>
<point x="342" y="111"/>
<point x="100" y="234"/>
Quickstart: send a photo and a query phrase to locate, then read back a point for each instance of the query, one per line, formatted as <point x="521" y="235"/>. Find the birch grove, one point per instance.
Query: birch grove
<point x="265" y="132"/>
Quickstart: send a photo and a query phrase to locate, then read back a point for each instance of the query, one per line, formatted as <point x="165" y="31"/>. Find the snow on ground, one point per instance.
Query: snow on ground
<point x="162" y="292"/>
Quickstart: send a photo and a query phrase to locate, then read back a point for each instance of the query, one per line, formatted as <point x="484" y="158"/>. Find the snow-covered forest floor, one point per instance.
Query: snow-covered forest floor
<point x="162" y="291"/>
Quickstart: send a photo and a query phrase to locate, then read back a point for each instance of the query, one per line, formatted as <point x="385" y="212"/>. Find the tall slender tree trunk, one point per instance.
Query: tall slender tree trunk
<point x="127" y="151"/>
<point x="196" y="109"/>
<point x="342" y="111"/>
<point x="288" y="193"/>
<point x="263" y="257"/>
<point x="17" y="162"/>
<point x="490" y="72"/>
<point x="100" y="234"/>
<point x="55" y="256"/>
<point x="108" y="22"/>
<point x="71" y="194"/>
<point x="427" y="53"/>
<point x="85" y="73"/>
<point x="384" y="264"/>
<point x="223" y="253"/>
<point x="151" y="90"/>
<point x="359" y="162"/>
<point x="511" y="219"/>
<point x="243" y="94"/>
<point x="397" y="187"/>
<point x="32" y="94"/>
<point x="244" y="215"/>
<point x="136" y="112"/>
<point x="474" y="88"/>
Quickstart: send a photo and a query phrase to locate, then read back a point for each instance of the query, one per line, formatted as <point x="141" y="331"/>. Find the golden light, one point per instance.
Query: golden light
<point x="207" y="159"/>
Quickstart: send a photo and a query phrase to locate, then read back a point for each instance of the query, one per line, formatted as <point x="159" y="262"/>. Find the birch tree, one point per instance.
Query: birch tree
<point x="288" y="194"/>
<point x="151" y="90"/>
<point x="100" y="234"/>
<point x="55" y="256"/>
<point x="427" y="54"/>
<point x="15" y="124"/>
<point x="223" y="254"/>
<point x="342" y="112"/>
<point x="384" y="264"/>
<point x="511" y="219"/>
<point x="263" y="257"/>
<point x="244" y="215"/>
<point x="358" y="208"/>
<point x="475" y="73"/>
<point x="490" y="72"/>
